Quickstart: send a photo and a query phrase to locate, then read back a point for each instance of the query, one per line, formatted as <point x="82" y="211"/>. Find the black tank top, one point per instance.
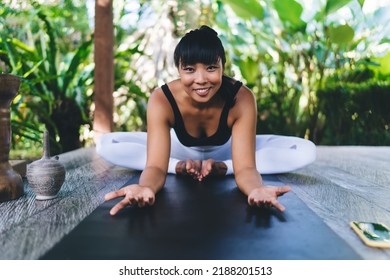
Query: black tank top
<point x="223" y="133"/>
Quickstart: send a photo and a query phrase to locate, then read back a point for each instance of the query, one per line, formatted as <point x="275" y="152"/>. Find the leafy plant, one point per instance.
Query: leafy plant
<point x="56" y="90"/>
<point x="357" y="112"/>
<point x="296" y="60"/>
<point x="286" y="59"/>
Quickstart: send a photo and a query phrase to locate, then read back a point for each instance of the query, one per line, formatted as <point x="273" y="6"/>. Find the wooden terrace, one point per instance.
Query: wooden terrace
<point x="207" y="221"/>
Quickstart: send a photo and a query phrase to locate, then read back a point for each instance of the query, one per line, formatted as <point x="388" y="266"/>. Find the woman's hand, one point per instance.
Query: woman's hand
<point x="267" y="197"/>
<point x="133" y="195"/>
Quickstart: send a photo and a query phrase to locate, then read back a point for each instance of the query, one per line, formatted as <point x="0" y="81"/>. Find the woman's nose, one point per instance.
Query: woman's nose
<point x="201" y="77"/>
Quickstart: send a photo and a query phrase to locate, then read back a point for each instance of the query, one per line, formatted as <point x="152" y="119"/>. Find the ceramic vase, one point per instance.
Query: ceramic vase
<point x="46" y="176"/>
<point x="11" y="183"/>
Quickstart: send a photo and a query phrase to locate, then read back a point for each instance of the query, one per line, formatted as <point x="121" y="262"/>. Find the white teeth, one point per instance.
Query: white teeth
<point x="202" y="90"/>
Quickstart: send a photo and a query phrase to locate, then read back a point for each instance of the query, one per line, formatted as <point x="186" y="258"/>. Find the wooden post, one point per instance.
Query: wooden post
<point x="104" y="67"/>
<point x="11" y="184"/>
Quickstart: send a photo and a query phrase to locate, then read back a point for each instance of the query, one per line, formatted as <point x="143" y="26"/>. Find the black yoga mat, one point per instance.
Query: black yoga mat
<point x="208" y="220"/>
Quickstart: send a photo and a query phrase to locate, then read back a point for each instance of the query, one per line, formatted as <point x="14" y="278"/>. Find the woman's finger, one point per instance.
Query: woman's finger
<point x="120" y="205"/>
<point x="141" y="202"/>
<point x="151" y="200"/>
<point x="114" y="194"/>
<point x="277" y="205"/>
<point x="282" y="190"/>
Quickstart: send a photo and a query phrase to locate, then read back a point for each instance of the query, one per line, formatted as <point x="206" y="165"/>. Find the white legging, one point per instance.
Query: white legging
<point x="274" y="153"/>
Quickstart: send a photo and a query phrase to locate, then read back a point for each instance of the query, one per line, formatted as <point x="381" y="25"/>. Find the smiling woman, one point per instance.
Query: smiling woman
<point x="202" y="125"/>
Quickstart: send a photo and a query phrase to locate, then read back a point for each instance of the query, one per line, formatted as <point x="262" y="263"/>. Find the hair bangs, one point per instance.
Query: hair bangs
<point x="199" y="46"/>
<point x="199" y="54"/>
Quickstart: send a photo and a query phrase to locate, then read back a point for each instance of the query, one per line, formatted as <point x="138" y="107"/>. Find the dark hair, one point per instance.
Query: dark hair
<point x="199" y="46"/>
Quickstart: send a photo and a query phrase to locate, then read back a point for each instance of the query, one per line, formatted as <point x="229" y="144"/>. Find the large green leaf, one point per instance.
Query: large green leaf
<point x="341" y="35"/>
<point x="80" y="56"/>
<point x="249" y="70"/>
<point x="9" y="50"/>
<point x="290" y="12"/>
<point x="334" y="5"/>
<point x="384" y="40"/>
<point x="384" y="63"/>
<point x="246" y="9"/>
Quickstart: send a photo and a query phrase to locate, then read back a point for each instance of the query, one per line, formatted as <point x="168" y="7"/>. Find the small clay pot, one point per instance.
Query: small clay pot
<point x="46" y="176"/>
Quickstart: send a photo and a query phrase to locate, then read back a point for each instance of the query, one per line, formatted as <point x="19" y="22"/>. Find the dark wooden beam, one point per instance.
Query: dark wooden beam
<point x="104" y="67"/>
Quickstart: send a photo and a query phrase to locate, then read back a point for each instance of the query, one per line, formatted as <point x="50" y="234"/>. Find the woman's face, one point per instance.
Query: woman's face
<point x="201" y="82"/>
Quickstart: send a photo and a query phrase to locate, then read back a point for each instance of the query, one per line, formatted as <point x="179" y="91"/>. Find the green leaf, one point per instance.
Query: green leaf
<point x="290" y="12"/>
<point x="334" y="5"/>
<point x="384" y="62"/>
<point x="249" y="70"/>
<point x="80" y="56"/>
<point x="384" y="40"/>
<point x="341" y="35"/>
<point x="9" y="50"/>
<point x="22" y="45"/>
<point x="361" y="3"/>
<point x="52" y="50"/>
<point x="246" y="9"/>
<point x="32" y="70"/>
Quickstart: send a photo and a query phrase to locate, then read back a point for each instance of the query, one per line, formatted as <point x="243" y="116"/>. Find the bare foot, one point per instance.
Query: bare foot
<point x="213" y="168"/>
<point x="199" y="170"/>
<point x="189" y="167"/>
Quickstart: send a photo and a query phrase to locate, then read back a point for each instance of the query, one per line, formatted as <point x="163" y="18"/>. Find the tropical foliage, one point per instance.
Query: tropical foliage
<point x="292" y="56"/>
<point x="319" y="68"/>
<point x="56" y="72"/>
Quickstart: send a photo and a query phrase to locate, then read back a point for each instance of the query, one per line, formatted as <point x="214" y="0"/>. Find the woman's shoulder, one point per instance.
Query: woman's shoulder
<point x="157" y="97"/>
<point x="230" y="80"/>
<point x="174" y="86"/>
<point x="244" y="100"/>
<point x="158" y="105"/>
<point x="244" y="93"/>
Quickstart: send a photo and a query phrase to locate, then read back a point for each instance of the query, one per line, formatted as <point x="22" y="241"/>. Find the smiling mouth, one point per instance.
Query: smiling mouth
<point x="202" y="91"/>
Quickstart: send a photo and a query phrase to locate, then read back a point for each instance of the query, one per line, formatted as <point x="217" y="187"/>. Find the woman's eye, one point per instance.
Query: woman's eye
<point x="188" y="69"/>
<point x="212" y="67"/>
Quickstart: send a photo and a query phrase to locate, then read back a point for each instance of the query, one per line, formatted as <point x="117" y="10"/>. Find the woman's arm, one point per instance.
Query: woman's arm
<point x="153" y="177"/>
<point x="248" y="179"/>
<point x="159" y="118"/>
